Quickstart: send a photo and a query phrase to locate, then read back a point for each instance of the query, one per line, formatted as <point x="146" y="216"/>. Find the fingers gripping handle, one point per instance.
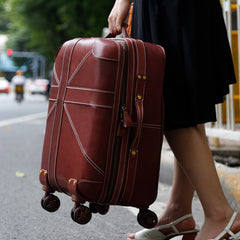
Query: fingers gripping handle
<point x="125" y="33"/>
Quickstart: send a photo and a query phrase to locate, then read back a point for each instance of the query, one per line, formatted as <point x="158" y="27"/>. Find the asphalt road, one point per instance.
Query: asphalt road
<point x="21" y="215"/>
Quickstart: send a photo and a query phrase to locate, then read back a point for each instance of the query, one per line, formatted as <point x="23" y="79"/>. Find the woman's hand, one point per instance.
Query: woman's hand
<point x="117" y="16"/>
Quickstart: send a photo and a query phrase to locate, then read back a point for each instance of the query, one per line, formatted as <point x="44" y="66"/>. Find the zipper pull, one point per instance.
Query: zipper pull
<point x="127" y="121"/>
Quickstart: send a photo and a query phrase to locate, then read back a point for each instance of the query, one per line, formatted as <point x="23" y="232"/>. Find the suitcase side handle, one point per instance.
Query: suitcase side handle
<point x="139" y="95"/>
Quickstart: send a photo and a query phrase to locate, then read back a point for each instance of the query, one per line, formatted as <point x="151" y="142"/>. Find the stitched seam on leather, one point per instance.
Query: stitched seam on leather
<point x="89" y="160"/>
<point x="103" y="58"/>
<point x="54" y="120"/>
<point x="90" y="89"/>
<point x="59" y="127"/>
<point x="50" y="110"/>
<point x="55" y="75"/>
<point x="89" y="181"/>
<point x="120" y="157"/>
<point x="79" y="66"/>
<point x="89" y="104"/>
<point x="131" y="109"/>
<point x="146" y="125"/>
<point x="145" y="59"/>
<point x="103" y="193"/>
<point x="52" y="99"/>
<point x="60" y="123"/>
<point x="137" y="70"/>
<point x="50" y="145"/>
<point x="119" y="101"/>
<point x="140" y="130"/>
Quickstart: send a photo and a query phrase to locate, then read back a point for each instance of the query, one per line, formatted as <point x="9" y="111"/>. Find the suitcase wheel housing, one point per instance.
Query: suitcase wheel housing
<point x="98" y="208"/>
<point x="81" y="214"/>
<point x="147" y="218"/>
<point x="50" y="203"/>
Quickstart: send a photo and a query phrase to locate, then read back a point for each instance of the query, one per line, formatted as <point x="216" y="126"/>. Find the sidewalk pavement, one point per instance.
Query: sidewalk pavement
<point x="229" y="176"/>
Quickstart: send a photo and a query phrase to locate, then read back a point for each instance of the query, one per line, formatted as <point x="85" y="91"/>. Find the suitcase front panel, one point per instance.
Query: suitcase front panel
<point x="88" y="121"/>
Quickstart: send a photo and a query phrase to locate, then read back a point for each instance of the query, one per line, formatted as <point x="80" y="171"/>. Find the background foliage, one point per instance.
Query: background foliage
<point x="42" y="25"/>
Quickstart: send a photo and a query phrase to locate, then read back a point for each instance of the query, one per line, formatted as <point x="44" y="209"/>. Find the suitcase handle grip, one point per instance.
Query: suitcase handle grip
<point x="125" y="33"/>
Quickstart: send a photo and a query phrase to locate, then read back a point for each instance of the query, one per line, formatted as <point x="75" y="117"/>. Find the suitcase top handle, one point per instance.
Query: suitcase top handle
<point x="125" y="33"/>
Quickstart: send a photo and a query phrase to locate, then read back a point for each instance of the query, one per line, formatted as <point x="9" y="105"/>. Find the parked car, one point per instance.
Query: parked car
<point x="39" y="86"/>
<point x="4" y="85"/>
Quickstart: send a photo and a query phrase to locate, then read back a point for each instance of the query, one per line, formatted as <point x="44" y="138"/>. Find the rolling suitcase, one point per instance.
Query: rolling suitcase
<point x="104" y="127"/>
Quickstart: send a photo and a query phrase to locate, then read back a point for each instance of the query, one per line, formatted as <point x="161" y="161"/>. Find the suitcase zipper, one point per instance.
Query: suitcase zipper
<point x="114" y="169"/>
<point x="125" y="119"/>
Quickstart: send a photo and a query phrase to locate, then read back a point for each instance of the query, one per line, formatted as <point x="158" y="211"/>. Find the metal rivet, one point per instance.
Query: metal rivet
<point x="74" y="183"/>
<point x="134" y="153"/>
<point x="69" y="181"/>
<point x="139" y="76"/>
<point x="41" y="171"/>
<point x="139" y="97"/>
<point x="144" y="77"/>
<point x="45" y="173"/>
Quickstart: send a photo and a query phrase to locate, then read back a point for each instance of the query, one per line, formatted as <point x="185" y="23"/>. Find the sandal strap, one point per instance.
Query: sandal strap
<point x="174" y="223"/>
<point x="227" y="229"/>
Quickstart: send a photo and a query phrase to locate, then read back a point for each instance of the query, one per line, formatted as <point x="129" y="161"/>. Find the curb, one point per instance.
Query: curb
<point x="229" y="177"/>
<point x="230" y="181"/>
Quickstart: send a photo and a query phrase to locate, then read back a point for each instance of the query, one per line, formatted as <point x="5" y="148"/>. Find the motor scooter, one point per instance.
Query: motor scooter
<point x="19" y="91"/>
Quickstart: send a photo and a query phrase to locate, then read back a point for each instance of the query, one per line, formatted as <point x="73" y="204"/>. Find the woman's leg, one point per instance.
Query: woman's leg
<point x="180" y="202"/>
<point x="192" y="151"/>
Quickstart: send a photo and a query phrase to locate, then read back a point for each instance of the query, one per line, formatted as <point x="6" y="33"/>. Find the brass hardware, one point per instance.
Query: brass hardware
<point x="139" y="97"/>
<point x="41" y="171"/>
<point x="72" y="181"/>
<point x="134" y="153"/>
<point x="144" y="77"/>
<point x="45" y="173"/>
<point x="124" y="108"/>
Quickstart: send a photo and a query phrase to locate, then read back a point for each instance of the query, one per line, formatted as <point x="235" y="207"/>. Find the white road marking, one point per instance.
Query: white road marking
<point x="22" y="119"/>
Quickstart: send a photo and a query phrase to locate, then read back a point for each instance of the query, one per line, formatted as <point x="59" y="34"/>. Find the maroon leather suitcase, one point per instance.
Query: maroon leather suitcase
<point x="104" y="127"/>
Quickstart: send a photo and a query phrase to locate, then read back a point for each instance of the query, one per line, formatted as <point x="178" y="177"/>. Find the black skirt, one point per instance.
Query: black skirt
<point x="199" y="65"/>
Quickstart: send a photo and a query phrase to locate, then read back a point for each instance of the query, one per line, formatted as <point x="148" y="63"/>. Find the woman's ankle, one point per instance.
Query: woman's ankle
<point x="219" y="214"/>
<point x="174" y="211"/>
<point x="212" y="228"/>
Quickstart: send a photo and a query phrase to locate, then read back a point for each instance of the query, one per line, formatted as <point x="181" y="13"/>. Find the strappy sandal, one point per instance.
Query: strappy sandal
<point x="232" y="236"/>
<point x="156" y="234"/>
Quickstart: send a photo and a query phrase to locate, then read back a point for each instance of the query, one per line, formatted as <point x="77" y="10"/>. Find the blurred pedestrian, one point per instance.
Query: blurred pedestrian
<point x="199" y="69"/>
<point x="18" y="82"/>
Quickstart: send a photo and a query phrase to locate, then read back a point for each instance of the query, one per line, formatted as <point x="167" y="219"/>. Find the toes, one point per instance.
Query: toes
<point x="131" y="235"/>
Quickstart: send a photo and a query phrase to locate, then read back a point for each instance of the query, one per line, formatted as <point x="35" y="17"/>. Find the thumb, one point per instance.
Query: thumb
<point x="119" y="24"/>
<point x="118" y="27"/>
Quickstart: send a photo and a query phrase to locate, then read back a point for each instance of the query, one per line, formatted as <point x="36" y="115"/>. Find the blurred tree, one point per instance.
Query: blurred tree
<point x="4" y="18"/>
<point x="43" y="25"/>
